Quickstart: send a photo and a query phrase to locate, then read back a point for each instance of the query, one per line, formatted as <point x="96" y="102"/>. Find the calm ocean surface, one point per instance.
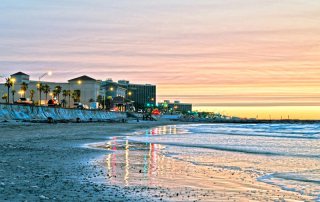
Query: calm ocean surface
<point x="284" y="155"/>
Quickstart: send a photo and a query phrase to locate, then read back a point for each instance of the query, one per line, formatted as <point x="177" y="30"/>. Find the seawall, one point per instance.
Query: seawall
<point x="40" y="113"/>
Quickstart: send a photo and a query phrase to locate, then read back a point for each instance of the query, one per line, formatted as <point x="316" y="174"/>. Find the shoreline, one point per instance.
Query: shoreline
<point x="58" y="162"/>
<point x="187" y="181"/>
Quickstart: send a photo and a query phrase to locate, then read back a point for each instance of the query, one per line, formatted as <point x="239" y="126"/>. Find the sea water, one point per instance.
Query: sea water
<point x="284" y="155"/>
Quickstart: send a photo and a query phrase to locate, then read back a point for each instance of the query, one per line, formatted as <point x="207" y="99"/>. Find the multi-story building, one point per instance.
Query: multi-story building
<point x="113" y="96"/>
<point x="86" y="87"/>
<point x="113" y="89"/>
<point x="176" y="106"/>
<point x="143" y="95"/>
<point x="84" y="90"/>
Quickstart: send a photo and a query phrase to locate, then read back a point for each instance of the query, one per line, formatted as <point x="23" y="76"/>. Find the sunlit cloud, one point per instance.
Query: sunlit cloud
<point x="206" y="52"/>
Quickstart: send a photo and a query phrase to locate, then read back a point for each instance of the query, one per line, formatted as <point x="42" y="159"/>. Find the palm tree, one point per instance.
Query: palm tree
<point x="39" y="88"/>
<point x="24" y="88"/>
<point x="5" y="97"/>
<point x="46" y="89"/>
<point x="69" y="95"/>
<point x="54" y="93"/>
<point x="64" y="94"/>
<point x="58" y="90"/>
<point x="8" y="84"/>
<point x="13" y="92"/>
<point x="31" y="94"/>
<point x="76" y="95"/>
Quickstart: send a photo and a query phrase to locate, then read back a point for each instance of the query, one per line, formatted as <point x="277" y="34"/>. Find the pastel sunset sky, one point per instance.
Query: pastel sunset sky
<point x="241" y="57"/>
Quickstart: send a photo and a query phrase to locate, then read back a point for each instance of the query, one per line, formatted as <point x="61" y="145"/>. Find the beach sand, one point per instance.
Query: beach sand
<point x="74" y="162"/>
<point x="49" y="161"/>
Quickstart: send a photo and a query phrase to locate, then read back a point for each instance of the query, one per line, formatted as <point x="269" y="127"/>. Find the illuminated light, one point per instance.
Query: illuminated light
<point x="111" y="88"/>
<point x="152" y="99"/>
<point x="79" y="82"/>
<point x="13" y="80"/>
<point x="127" y="165"/>
<point x="129" y="93"/>
<point x="49" y="73"/>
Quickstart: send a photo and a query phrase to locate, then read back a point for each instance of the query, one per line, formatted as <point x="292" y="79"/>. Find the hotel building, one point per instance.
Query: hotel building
<point x="88" y="90"/>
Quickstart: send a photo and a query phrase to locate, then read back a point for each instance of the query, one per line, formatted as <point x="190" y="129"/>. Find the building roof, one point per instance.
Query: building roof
<point x="83" y="78"/>
<point x="19" y="74"/>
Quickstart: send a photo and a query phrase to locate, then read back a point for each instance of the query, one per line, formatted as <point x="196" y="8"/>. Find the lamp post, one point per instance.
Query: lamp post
<point x="108" y="98"/>
<point x="49" y="73"/>
<point x="13" y="90"/>
<point x="129" y="103"/>
<point x="79" y="82"/>
<point x="21" y="92"/>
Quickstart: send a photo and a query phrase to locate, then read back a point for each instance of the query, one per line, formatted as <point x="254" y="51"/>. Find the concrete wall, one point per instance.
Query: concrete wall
<point x="36" y="113"/>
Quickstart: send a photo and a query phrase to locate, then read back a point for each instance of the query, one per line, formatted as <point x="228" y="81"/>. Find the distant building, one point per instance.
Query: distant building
<point x="113" y="95"/>
<point x="113" y="89"/>
<point x="176" y="106"/>
<point x="143" y="95"/>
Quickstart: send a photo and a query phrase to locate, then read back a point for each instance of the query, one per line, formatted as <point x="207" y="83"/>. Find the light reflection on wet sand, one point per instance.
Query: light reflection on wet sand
<point x="176" y="178"/>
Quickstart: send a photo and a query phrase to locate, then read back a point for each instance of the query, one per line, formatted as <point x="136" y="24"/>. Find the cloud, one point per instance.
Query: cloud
<point x="203" y="47"/>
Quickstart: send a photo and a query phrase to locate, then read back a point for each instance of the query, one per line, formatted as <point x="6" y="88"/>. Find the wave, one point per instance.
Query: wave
<point x="268" y="135"/>
<point x="269" y="131"/>
<point x="295" y="182"/>
<point x="291" y="177"/>
<point x="228" y="149"/>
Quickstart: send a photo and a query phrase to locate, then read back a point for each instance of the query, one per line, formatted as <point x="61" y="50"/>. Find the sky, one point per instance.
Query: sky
<point x="248" y="58"/>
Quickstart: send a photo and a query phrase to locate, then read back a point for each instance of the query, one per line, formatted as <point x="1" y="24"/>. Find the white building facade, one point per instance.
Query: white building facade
<point x="87" y="88"/>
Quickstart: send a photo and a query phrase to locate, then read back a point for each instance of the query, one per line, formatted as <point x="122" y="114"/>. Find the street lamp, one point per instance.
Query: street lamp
<point x="13" y="80"/>
<point x="21" y="92"/>
<point x="49" y="73"/>
<point x="79" y="82"/>
<point x="108" y="96"/>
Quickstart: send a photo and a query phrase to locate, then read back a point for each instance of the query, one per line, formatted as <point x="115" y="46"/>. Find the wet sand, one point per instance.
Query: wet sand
<point x="143" y="168"/>
<point x="50" y="162"/>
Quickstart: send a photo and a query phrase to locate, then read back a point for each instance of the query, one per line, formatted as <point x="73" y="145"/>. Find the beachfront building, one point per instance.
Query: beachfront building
<point x="82" y="89"/>
<point x="113" y="96"/>
<point x="142" y="95"/>
<point x="85" y="90"/>
<point x="125" y="96"/>
<point x="176" y="106"/>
